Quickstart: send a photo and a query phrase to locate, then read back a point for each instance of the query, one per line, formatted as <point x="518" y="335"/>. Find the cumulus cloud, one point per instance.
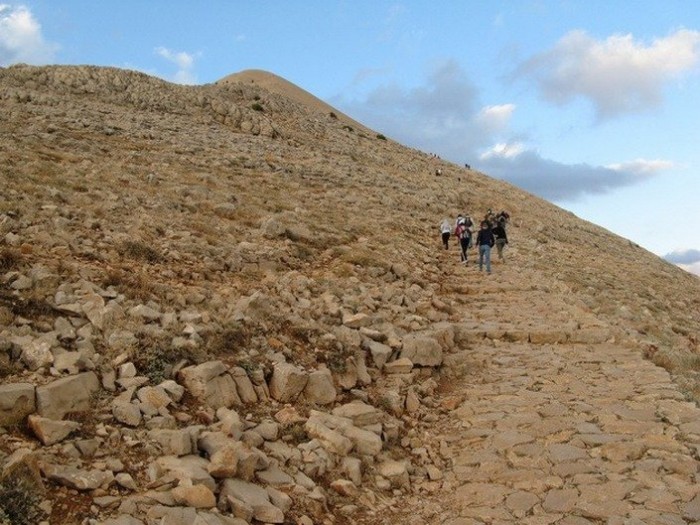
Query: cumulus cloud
<point x="184" y="62"/>
<point x="553" y="180"/>
<point x="643" y="166"/>
<point x="495" y="119"/>
<point x="686" y="257"/>
<point x="443" y="116"/>
<point x="617" y="75"/>
<point x="439" y="115"/>
<point x="21" y="40"/>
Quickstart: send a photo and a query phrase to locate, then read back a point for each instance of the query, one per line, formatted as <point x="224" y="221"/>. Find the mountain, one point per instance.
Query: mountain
<point x="233" y="295"/>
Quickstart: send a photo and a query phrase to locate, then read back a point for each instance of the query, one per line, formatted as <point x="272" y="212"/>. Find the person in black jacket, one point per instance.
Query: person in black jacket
<point x="485" y="240"/>
<point x="499" y="232"/>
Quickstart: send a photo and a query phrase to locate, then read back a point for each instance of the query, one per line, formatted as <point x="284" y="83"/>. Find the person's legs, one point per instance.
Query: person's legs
<point x="481" y="256"/>
<point x="487" y="257"/>
<point x="464" y="244"/>
<point x="445" y="239"/>
<point x="500" y="244"/>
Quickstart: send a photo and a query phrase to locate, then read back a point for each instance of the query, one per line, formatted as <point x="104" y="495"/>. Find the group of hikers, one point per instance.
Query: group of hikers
<point x="492" y="232"/>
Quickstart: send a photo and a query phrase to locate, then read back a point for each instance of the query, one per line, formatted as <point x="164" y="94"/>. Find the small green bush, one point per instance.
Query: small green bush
<point x="381" y="137"/>
<point x="257" y="107"/>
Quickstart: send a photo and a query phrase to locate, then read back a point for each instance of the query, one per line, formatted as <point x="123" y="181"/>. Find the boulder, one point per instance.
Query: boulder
<point x="210" y="383"/>
<point x="68" y="394"/>
<point x="17" y="401"/>
<point x="191" y="467"/>
<point x="320" y="388"/>
<point x="422" y="350"/>
<point x="394" y="471"/>
<point x="76" y="478"/>
<point x="197" y="496"/>
<point x="255" y="496"/>
<point x="173" y="442"/>
<point x="50" y="431"/>
<point x="246" y="391"/>
<point x="287" y="382"/>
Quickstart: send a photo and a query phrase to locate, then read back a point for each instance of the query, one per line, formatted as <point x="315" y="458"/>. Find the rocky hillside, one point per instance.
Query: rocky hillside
<point x="220" y="303"/>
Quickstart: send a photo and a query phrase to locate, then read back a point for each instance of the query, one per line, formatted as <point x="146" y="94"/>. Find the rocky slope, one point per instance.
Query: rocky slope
<point x="219" y="303"/>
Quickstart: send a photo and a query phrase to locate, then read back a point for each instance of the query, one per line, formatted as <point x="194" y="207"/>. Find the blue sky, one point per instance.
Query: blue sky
<point x="590" y="104"/>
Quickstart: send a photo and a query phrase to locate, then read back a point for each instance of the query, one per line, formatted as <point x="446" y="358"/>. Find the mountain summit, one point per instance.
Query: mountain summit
<point x="231" y="304"/>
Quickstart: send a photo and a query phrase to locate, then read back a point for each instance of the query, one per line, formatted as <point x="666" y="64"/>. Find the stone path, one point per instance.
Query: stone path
<point x="576" y="432"/>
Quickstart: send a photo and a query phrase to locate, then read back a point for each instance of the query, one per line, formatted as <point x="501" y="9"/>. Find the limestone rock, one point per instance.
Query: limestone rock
<point x="76" y="478"/>
<point x="197" y="496"/>
<point x="395" y="472"/>
<point x="255" y="496"/>
<point x="210" y="383"/>
<point x="320" y="388"/>
<point x="422" y="350"/>
<point x="17" y="401"/>
<point x="287" y="382"/>
<point x="68" y="394"/>
<point x="50" y="431"/>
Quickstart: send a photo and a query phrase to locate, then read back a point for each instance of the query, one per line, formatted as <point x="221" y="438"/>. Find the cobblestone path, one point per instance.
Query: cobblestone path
<point x="563" y="424"/>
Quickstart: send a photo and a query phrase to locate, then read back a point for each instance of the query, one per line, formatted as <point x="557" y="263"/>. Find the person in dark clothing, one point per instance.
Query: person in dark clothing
<point x="499" y="232"/>
<point x="485" y="240"/>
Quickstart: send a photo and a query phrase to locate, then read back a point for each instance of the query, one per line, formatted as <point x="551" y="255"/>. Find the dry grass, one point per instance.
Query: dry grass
<point x="132" y="284"/>
<point x="10" y="259"/>
<point x="141" y="251"/>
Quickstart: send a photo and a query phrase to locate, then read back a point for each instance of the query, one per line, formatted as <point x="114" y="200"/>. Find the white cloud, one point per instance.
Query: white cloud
<point x="618" y="75"/>
<point x="691" y="268"/>
<point x="683" y="257"/>
<point x="553" y="180"/>
<point x="504" y="151"/>
<point x="21" y="39"/>
<point x="184" y="62"/>
<point x="442" y="116"/>
<point x="496" y="118"/>
<point x="643" y="166"/>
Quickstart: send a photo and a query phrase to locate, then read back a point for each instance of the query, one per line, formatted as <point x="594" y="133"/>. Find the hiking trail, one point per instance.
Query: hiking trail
<point x="585" y="431"/>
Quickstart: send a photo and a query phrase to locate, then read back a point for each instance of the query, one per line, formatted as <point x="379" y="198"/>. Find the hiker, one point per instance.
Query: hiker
<point x="464" y="234"/>
<point x="499" y="233"/>
<point x="490" y="217"/>
<point x="504" y="217"/>
<point x="445" y="230"/>
<point x="484" y="242"/>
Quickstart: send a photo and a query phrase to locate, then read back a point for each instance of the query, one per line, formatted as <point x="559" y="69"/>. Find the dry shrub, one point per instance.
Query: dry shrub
<point x="233" y="338"/>
<point x="10" y="259"/>
<point x="155" y="357"/>
<point x="141" y="251"/>
<point x="131" y="284"/>
<point x="21" y="492"/>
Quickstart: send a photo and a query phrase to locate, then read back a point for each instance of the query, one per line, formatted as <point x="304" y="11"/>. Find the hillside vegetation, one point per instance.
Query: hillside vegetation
<point x="230" y="297"/>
